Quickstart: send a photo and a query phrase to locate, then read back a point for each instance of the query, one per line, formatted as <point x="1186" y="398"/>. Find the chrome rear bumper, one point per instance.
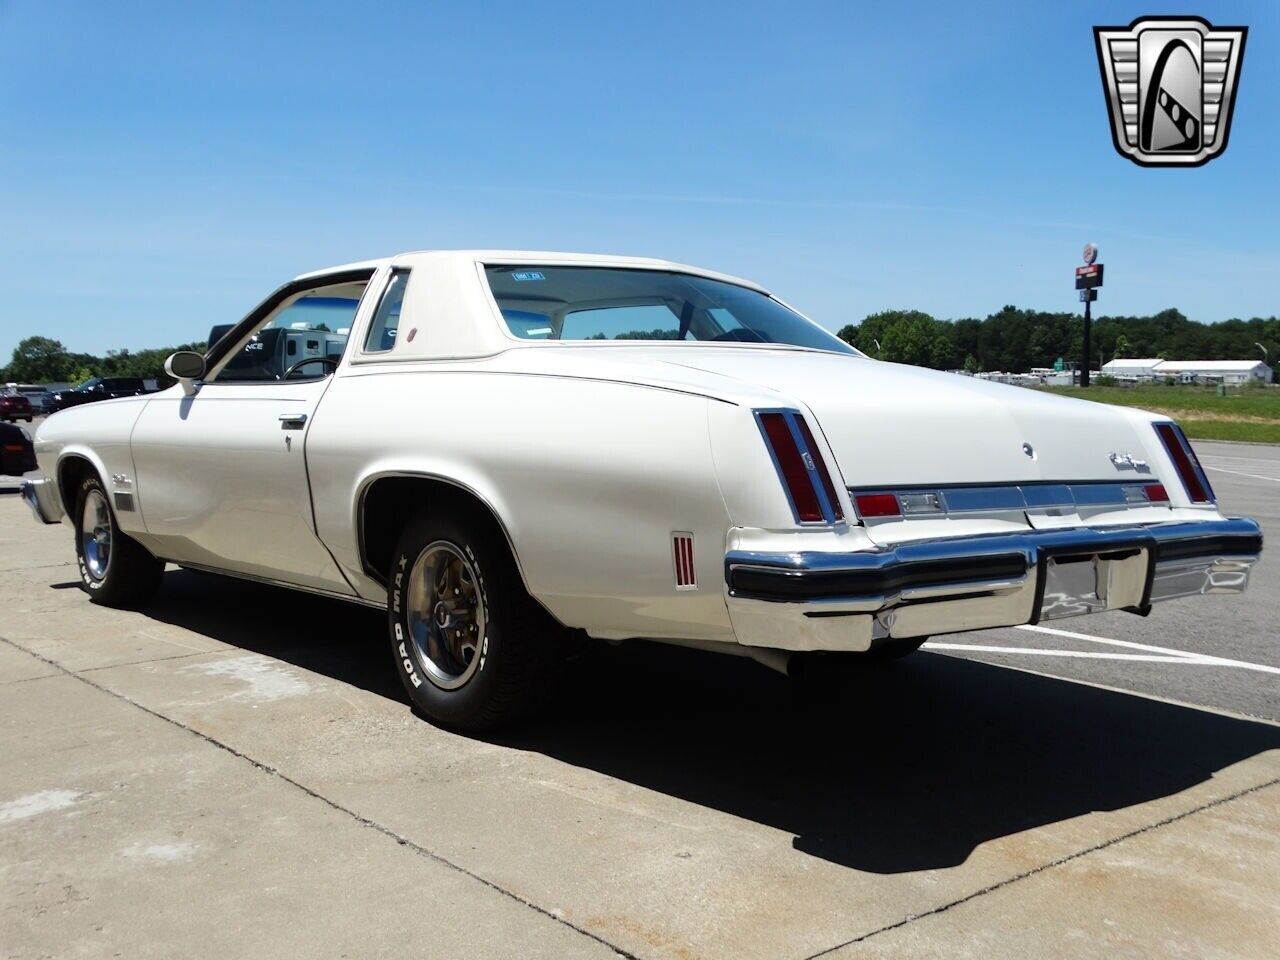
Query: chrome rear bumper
<point x="41" y="495"/>
<point x="845" y="601"/>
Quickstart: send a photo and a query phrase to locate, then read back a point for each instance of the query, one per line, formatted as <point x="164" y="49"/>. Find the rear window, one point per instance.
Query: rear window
<point x="604" y="303"/>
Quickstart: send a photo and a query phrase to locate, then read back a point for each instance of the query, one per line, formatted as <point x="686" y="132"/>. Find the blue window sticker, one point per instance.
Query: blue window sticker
<point x="527" y="275"/>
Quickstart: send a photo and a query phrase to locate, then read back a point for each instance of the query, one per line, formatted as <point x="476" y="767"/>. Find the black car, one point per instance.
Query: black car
<point x="17" y="456"/>
<point x="99" y="388"/>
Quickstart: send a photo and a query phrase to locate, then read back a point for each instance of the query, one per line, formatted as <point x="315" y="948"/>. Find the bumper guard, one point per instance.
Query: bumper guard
<point x="41" y="495"/>
<point x="845" y="601"/>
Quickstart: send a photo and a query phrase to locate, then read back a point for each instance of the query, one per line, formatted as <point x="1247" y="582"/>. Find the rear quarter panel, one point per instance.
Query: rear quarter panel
<point x="590" y="479"/>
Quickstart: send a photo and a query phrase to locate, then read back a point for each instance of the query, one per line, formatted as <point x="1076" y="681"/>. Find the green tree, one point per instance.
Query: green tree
<point x="904" y="336"/>
<point x="38" y="360"/>
<point x="79" y="375"/>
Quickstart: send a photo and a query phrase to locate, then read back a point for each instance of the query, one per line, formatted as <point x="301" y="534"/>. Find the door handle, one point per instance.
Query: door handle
<point x="292" y="421"/>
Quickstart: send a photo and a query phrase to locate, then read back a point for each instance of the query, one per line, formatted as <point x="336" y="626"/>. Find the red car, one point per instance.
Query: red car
<point x="14" y="406"/>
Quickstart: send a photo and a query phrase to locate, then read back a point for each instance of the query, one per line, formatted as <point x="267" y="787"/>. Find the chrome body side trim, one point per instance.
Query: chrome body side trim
<point x="267" y="581"/>
<point x="841" y="601"/>
<point x="368" y="481"/>
<point x="41" y="495"/>
<point x="997" y="498"/>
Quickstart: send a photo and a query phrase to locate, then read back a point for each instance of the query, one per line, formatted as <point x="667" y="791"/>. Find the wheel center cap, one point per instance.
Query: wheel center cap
<point x="442" y="615"/>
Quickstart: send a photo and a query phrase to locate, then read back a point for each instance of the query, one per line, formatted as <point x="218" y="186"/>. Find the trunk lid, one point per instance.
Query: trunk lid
<point x="895" y="425"/>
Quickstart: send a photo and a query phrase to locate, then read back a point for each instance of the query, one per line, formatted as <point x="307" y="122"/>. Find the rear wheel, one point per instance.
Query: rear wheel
<point x="473" y="650"/>
<point x="115" y="570"/>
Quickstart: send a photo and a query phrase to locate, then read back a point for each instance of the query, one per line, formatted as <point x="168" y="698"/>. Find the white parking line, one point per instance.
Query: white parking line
<point x="1151" y="654"/>
<point x="1038" y="652"/>
<point x="1255" y="476"/>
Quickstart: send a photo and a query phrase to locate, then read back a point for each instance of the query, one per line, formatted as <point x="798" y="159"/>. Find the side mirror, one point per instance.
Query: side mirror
<point x="185" y="366"/>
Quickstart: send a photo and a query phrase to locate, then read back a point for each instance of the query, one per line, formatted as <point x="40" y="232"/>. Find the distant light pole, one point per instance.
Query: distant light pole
<point x="1088" y="280"/>
<point x="877" y="343"/>
<point x="1266" y="356"/>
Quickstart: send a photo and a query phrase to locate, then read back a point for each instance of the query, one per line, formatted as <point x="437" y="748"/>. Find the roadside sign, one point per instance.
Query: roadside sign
<point x="1088" y="296"/>
<point x="1059" y="365"/>
<point x="1089" y="276"/>
<point x="1090" y="253"/>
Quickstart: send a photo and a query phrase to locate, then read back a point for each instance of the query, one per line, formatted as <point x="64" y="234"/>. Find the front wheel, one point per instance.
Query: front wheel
<point x="115" y="570"/>
<point x="473" y="650"/>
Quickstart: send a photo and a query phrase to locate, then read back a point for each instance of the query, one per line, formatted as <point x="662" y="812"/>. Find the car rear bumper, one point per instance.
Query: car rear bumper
<point x="41" y="495"/>
<point x="847" y="601"/>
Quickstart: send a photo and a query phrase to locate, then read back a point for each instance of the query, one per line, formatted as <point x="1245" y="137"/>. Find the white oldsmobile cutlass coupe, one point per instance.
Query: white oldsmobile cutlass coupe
<point x="507" y="450"/>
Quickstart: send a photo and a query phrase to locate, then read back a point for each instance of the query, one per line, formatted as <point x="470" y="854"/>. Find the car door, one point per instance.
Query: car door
<point x="221" y="474"/>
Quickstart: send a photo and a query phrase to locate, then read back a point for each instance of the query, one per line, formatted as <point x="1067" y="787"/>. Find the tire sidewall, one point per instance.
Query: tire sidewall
<point x="88" y="583"/>
<point x="461" y="704"/>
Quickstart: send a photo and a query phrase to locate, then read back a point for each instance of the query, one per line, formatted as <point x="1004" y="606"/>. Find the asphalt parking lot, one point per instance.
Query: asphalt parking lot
<point x="234" y="771"/>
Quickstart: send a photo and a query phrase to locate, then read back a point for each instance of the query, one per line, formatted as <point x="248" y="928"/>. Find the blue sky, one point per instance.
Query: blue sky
<point x="164" y="166"/>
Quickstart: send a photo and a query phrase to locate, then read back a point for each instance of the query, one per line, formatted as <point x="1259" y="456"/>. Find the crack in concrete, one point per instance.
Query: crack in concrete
<point x="332" y="804"/>
<point x="106" y="666"/>
<point x="1008" y="881"/>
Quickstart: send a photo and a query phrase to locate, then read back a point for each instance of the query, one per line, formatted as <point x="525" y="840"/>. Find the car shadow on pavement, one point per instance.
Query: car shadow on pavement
<point x="891" y="769"/>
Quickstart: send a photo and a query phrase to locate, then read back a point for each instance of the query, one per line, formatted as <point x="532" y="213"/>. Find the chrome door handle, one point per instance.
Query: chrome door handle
<point x="292" y="421"/>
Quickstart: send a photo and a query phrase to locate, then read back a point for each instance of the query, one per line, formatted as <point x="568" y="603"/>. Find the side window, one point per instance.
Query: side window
<point x="386" y="321"/>
<point x="301" y="341"/>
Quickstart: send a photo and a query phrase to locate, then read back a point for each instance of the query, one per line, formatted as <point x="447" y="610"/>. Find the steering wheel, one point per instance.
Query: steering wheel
<point x="302" y="363"/>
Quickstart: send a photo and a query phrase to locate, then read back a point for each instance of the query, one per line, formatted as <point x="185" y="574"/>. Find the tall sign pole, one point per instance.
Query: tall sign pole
<point x="1088" y="280"/>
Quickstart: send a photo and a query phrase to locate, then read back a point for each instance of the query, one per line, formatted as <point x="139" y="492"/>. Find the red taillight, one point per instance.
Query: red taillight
<point x="804" y="496"/>
<point x="1193" y="480"/>
<point x="878" y="505"/>
<point x="1156" y="493"/>
<point x="820" y="467"/>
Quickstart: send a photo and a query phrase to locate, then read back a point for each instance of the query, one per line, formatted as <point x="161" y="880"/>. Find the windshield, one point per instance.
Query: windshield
<point x="603" y="303"/>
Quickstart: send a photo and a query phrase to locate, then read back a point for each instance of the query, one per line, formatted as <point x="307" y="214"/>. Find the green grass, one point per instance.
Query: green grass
<point x="1249" y="414"/>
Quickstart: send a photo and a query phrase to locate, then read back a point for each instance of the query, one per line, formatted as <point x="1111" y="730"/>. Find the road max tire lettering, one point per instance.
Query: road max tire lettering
<point x="406" y="661"/>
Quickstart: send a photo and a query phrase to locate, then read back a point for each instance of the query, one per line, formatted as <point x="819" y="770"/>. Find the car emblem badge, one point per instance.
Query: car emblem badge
<point x="1029" y="450"/>
<point x="1170" y="85"/>
<point x="1127" y="461"/>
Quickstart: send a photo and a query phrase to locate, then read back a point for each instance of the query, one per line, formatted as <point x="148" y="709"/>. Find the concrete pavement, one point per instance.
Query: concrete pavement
<point x="233" y="771"/>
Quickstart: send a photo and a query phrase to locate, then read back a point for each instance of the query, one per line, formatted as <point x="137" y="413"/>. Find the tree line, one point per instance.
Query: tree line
<point x="1014" y="340"/>
<point x="1011" y="340"/>
<point x="44" y="360"/>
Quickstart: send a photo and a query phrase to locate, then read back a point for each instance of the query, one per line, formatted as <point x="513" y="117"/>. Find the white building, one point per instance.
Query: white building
<point x="1218" y="371"/>
<point x="1187" y="371"/>
<point x="1127" y="368"/>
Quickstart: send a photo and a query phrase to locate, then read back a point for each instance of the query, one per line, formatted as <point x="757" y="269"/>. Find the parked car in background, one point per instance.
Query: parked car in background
<point x="14" y="406"/>
<point x="17" y="455"/>
<point x="98" y="388"/>
<point x="38" y="395"/>
<point x="510" y="452"/>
